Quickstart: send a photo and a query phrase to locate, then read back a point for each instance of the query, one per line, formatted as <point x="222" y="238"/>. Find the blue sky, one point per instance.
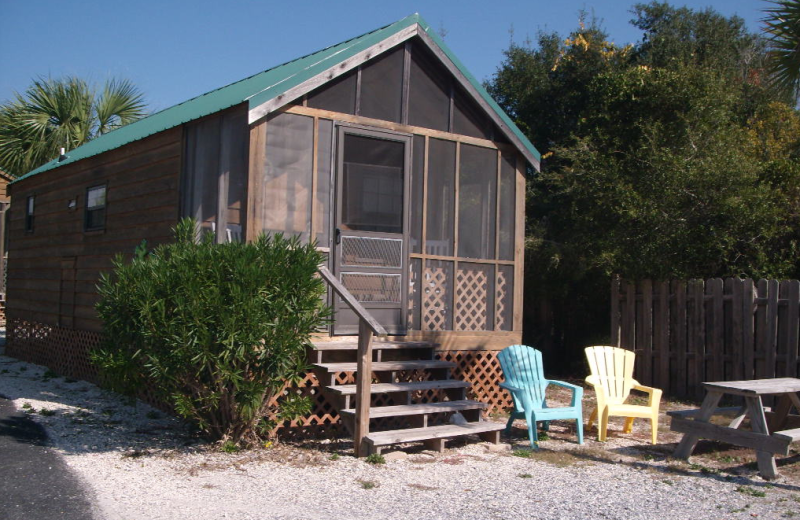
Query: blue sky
<point x="174" y="50"/>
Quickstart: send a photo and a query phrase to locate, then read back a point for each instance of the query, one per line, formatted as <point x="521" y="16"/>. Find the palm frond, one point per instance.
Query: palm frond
<point x="120" y="103"/>
<point x="782" y="24"/>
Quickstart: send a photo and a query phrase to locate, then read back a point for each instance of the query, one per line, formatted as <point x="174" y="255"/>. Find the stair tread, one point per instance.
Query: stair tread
<point x="376" y="345"/>
<point x="377" y="412"/>
<point x="386" y="365"/>
<point x="432" y="432"/>
<point x="381" y="388"/>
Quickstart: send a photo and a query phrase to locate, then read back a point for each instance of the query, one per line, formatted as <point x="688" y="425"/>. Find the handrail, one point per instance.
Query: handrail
<point x="367" y="325"/>
<point x="351" y="301"/>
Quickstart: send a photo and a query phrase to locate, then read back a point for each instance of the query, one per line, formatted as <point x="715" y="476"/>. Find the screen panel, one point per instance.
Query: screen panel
<point x="477" y="202"/>
<point x="287" y="175"/>
<point x="372" y="189"/>
<point x="382" y="87"/>
<point x="508" y="200"/>
<point x="337" y="96"/>
<point x="441" y="197"/>
<point x="428" y="94"/>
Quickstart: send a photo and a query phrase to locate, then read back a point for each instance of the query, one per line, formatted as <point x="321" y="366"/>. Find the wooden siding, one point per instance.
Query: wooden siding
<point x="53" y="271"/>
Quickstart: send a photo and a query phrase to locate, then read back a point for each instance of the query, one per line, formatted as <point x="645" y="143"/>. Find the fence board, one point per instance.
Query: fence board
<point x="645" y="331"/>
<point x="714" y="356"/>
<point x="680" y="338"/>
<point x="771" y="343"/>
<point x="748" y="329"/>
<point x="793" y="295"/>
<point x="762" y="293"/>
<point x="735" y="345"/>
<point x="615" y="295"/>
<point x="662" y="334"/>
<point x="685" y="333"/>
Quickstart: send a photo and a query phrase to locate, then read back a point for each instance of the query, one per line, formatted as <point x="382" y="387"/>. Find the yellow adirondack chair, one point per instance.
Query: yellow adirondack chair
<point x="612" y="378"/>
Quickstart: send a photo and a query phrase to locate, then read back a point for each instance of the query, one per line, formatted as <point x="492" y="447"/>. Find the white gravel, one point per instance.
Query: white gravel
<point x="139" y="464"/>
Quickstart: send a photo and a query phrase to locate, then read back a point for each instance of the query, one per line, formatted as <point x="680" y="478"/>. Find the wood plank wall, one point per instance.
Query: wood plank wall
<point x="687" y="332"/>
<point x="53" y="271"/>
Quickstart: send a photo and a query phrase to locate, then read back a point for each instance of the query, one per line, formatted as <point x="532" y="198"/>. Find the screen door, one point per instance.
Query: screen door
<point x="370" y="234"/>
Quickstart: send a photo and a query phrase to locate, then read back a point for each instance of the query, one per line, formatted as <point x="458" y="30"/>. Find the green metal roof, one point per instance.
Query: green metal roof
<point x="262" y="87"/>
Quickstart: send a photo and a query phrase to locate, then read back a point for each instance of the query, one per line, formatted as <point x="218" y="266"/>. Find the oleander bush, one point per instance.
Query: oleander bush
<point x="216" y="330"/>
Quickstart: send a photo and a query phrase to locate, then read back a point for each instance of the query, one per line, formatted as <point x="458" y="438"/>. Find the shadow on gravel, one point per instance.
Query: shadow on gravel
<point x="695" y="469"/>
<point x="83" y="418"/>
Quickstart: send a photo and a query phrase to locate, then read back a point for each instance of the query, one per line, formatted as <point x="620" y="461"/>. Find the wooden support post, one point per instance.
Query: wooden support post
<point x="363" y="384"/>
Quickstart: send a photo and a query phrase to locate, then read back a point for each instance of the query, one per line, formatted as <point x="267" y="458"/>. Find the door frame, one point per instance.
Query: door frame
<point x="340" y="129"/>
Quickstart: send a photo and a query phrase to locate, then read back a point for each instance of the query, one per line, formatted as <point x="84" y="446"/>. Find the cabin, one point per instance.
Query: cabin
<point x="383" y="149"/>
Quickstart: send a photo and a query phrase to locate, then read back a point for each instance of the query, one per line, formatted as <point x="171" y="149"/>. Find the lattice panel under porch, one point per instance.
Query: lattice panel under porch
<point x="474" y="297"/>
<point x="482" y="369"/>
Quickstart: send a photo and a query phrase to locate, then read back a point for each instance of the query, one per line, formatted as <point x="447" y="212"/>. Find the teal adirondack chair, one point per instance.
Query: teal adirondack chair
<point x="522" y="369"/>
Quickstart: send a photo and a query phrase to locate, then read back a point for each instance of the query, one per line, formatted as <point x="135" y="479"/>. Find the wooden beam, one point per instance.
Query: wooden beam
<point x="396" y="127"/>
<point x="255" y="177"/>
<point x="519" y="245"/>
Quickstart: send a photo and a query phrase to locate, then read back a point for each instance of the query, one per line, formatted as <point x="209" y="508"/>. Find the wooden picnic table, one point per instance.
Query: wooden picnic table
<point x="785" y="427"/>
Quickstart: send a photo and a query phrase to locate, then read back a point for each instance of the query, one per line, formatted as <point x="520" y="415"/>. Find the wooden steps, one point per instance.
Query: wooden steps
<point x="488" y="431"/>
<point x="380" y="412"/>
<point x="387" y="388"/>
<point x="397" y="390"/>
<point x="387" y="366"/>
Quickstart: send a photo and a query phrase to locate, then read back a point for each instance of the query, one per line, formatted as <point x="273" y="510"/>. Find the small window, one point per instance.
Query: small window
<point x="29" y="215"/>
<point x="95" y="208"/>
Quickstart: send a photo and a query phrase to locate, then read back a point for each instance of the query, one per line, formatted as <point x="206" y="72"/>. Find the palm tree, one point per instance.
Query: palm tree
<point x="62" y="113"/>
<point x="783" y="27"/>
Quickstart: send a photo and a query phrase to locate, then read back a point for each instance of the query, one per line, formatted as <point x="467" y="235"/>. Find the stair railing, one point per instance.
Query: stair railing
<point x="367" y="326"/>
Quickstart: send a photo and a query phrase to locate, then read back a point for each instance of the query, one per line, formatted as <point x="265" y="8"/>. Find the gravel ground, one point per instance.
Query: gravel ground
<point x="140" y="464"/>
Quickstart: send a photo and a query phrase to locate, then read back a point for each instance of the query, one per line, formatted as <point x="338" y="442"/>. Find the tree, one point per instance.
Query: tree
<point x="783" y="27"/>
<point x="668" y="159"/>
<point x="62" y="113"/>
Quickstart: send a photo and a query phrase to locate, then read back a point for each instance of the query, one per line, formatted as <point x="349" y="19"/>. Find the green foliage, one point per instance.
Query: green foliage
<point x="671" y="158"/>
<point x="61" y="113"/>
<point x="216" y="330"/>
<point x="375" y="458"/>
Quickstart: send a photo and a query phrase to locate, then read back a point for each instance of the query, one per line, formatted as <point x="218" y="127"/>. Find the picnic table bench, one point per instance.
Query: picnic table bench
<point x="785" y="427"/>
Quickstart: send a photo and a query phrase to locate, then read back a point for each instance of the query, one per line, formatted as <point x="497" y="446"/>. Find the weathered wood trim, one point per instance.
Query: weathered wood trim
<point x="258" y="150"/>
<point x="466" y="340"/>
<point x="332" y="73"/>
<point x="519" y="245"/>
<point x="462" y="259"/>
<point x="467" y="85"/>
<point x="396" y="127"/>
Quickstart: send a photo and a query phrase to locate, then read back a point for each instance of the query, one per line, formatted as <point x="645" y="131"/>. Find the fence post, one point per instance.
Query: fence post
<point x="661" y="321"/>
<point x="748" y="328"/>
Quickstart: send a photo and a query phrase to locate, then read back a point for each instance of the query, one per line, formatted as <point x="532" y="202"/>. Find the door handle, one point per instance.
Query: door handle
<point x="337" y="236"/>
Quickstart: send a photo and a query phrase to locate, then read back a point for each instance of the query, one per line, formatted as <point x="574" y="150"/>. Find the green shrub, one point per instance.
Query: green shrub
<point x="215" y="330"/>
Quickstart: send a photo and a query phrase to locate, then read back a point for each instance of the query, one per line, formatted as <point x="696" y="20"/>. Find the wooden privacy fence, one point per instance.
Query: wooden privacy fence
<point x="685" y="333"/>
